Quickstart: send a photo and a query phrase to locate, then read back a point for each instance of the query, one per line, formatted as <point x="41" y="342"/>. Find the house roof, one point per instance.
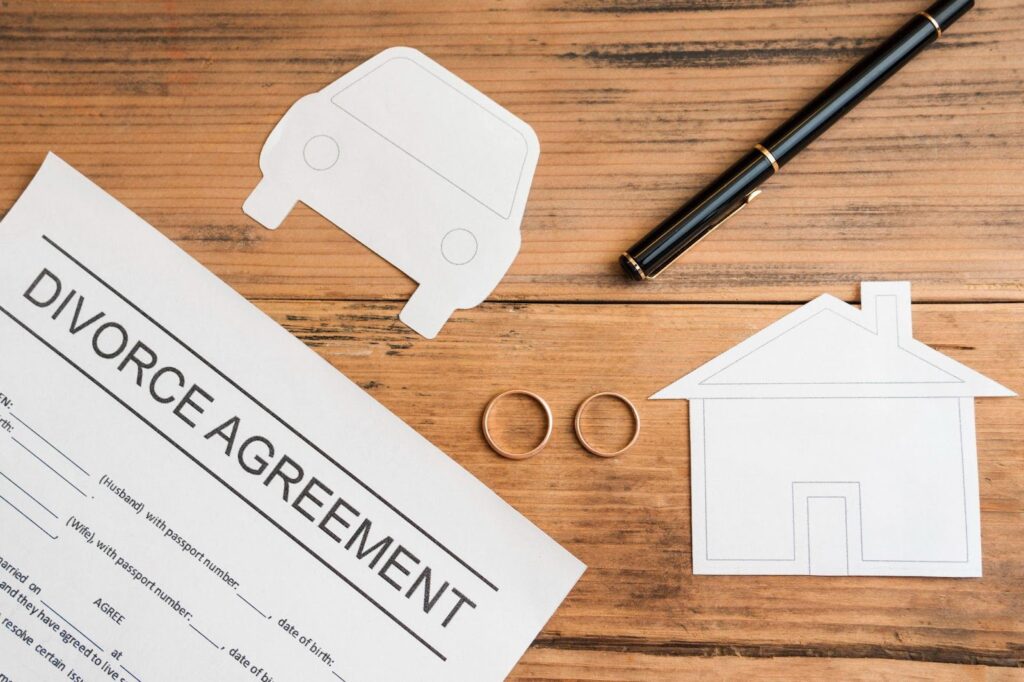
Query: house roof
<point x="828" y="348"/>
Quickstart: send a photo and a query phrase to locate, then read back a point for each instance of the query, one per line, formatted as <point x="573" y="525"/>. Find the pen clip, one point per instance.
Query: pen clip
<point x="743" y="204"/>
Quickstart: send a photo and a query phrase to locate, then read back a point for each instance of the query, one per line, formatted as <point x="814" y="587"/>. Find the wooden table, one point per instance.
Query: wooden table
<point x="166" y="105"/>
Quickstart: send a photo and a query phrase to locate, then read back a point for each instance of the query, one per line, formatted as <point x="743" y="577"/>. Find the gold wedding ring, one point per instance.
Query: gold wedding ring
<point x="579" y="427"/>
<point x="487" y="429"/>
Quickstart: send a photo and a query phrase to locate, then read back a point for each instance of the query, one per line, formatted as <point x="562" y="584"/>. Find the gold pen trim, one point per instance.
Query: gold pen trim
<point x="746" y="200"/>
<point x="768" y="155"/>
<point x="636" y="266"/>
<point x="938" y="29"/>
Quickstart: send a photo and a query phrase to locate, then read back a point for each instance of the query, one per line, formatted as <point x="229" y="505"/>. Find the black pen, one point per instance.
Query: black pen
<point x="737" y="187"/>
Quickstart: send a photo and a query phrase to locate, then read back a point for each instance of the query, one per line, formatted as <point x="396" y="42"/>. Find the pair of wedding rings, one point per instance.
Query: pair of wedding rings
<point x="577" y="424"/>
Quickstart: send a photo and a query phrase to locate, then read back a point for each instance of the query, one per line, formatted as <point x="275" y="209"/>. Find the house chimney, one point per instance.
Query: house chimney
<point x="886" y="325"/>
<point x="886" y="306"/>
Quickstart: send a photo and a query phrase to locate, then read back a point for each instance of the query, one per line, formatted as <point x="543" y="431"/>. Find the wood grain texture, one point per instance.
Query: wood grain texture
<point x="540" y="665"/>
<point x="628" y="518"/>
<point x="636" y="103"/>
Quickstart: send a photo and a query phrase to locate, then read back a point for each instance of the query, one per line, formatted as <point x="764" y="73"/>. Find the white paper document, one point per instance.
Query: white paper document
<point x="187" y="492"/>
<point x="834" y="443"/>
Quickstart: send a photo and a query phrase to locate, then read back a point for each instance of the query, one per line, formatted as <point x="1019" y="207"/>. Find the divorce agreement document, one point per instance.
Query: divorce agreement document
<point x="187" y="492"/>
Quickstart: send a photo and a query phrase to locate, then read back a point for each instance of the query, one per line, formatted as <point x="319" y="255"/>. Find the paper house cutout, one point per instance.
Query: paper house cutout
<point x="834" y="443"/>
<point x="417" y="165"/>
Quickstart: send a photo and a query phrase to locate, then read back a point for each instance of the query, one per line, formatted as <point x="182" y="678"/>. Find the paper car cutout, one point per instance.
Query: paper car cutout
<point x="418" y="166"/>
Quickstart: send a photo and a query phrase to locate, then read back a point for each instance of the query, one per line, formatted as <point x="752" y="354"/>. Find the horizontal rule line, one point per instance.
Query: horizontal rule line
<point x="679" y="648"/>
<point x="276" y="417"/>
<point x="224" y="483"/>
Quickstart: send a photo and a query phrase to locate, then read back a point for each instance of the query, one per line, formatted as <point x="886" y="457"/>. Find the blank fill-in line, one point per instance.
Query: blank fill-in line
<point x="43" y="438"/>
<point x="348" y="581"/>
<point x="205" y="637"/>
<point x="253" y="606"/>
<point x="29" y="518"/>
<point x="23" y="447"/>
<point x="134" y="676"/>
<point x="338" y="676"/>
<point x="266" y="409"/>
<point x="72" y="625"/>
<point x="30" y="495"/>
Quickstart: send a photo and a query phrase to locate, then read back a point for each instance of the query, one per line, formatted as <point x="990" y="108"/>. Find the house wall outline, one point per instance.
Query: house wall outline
<point x="899" y="342"/>
<point x="885" y="316"/>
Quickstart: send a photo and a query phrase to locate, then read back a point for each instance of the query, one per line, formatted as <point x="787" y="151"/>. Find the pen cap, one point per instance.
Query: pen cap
<point x="945" y="12"/>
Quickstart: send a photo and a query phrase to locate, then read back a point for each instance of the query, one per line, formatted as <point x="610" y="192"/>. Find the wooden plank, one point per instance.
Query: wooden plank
<point x="637" y="105"/>
<point x="540" y="665"/>
<point x="628" y="518"/>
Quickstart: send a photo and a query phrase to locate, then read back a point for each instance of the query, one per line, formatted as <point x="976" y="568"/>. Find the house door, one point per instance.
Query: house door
<point x="826" y="536"/>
